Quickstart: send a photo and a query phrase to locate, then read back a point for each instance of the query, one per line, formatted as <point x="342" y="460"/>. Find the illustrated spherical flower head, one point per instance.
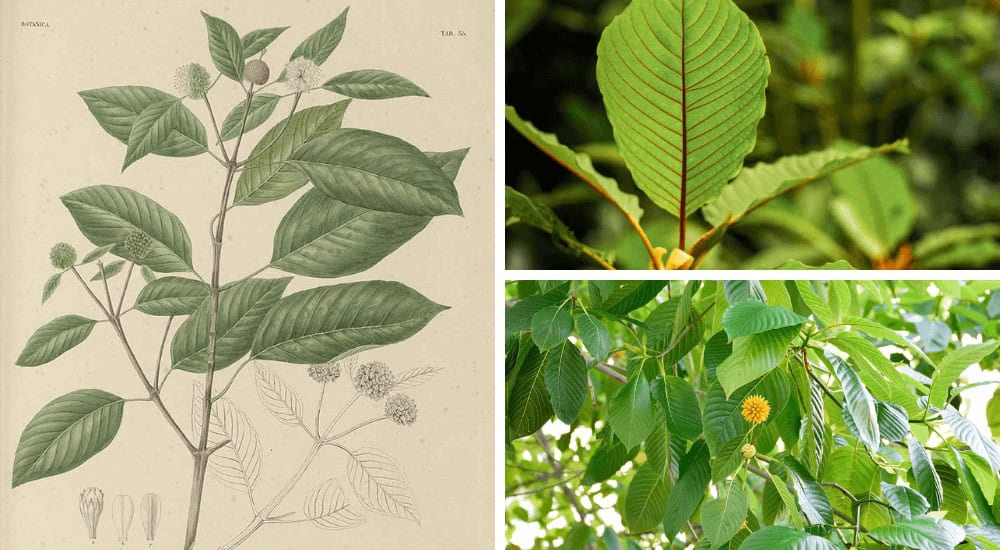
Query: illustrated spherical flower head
<point x="327" y="372"/>
<point x="137" y="244"/>
<point x="256" y="72"/>
<point x="301" y="74"/>
<point x="192" y="80"/>
<point x="748" y="451"/>
<point x="63" y="256"/>
<point x="756" y="409"/>
<point x="91" y="506"/>
<point x="401" y="409"/>
<point x="374" y="379"/>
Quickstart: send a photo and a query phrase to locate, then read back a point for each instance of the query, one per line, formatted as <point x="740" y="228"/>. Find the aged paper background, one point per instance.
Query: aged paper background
<point x="53" y="145"/>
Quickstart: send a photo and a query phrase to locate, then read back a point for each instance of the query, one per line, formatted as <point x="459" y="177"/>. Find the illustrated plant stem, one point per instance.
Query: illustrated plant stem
<point x="202" y="453"/>
<point x="121" y="299"/>
<point x="159" y="357"/>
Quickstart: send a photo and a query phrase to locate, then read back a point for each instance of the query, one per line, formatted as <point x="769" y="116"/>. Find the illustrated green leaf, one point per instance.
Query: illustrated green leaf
<point x="116" y="109"/>
<point x="875" y="206"/>
<point x="595" y="335"/>
<point x="786" y="538"/>
<point x="722" y="517"/>
<point x="267" y="175"/>
<point x="110" y="270"/>
<point x="529" y="405"/>
<point x="754" y="356"/>
<point x="685" y="496"/>
<point x="106" y="214"/>
<point x="171" y="296"/>
<point x="255" y="41"/>
<point x="645" y="500"/>
<point x="904" y="500"/>
<point x="147" y="274"/>
<point x="566" y="380"/>
<point x="971" y="434"/>
<point x="951" y="366"/>
<point x="928" y="480"/>
<point x="225" y="46"/>
<point x="318" y="47"/>
<point x="609" y="457"/>
<point x="523" y="209"/>
<point x="261" y="107"/>
<point x="242" y="308"/>
<point x="156" y="124"/>
<point x="67" y="432"/>
<point x="683" y="84"/>
<point x="577" y="163"/>
<point x="753" y="317"/>
<point x="922" y="533"/>
<point x="331" y="322"/>
<point x="51" y="284"/>
<point x="373" y="84"/>
<point x="551" y="326"/>
<point x="96" y="253"/>
<point x="449" y="161"/>
<point x="323" y="237"/>
<point x="377" y="171"/>
<point x="757" y="184"/>
<point x="858" y="403"/>
<point x="630" y="412"/>
<point x="677" y="398"/>
<point x="54" y="339"/>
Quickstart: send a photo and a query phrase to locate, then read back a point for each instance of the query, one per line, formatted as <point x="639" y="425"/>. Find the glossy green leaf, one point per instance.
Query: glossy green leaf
<point x="242" y="307"/>
<point x="595" y="335"/>
<point x="158" y="123"/>
<point x="578" y="537"/>
<point x="685" y="496"/>
<point x="566" y="380"/>
<point x="893" y="422"/>
<point x="925" y="473"/>
<point x="625" y="296"/>
<point x="630" y="411"/>
<point x="529" y="405"/>
<point x="677" y="398"/>
<point x="875" y="206"/>
<point x="551" y="326"/>
<point x="742" y="290"/>
<point x="818" y="306"/>
<point x="877" y="372"/>
<point x="116" y="109"/>
<point x="377" y="171"/>
<point x="922" y="532"/>
<point x="851" y="467"/>
<point x="268" y="176"/>
<point x="722" y="419"/>
<point x="951" y="366"/>
<point x="106" y="214"/>
<point x="753" y="317"/>
<point x="728" y="458"/>
<point x="67" y="432"/>
<point x="373" y="84"/>
<point x="54" y="339"/>
<point x="682" y="121"/>
<point x="813" y="502"/>
<point x="51" y="284"/>
<point x="523" y="209"/>
<point x="261" y="107"/>
<point x="171" y="296"/>
<point x="971" y="434"/>
<point x="754" y="356"/>
<point x="722" y="517"/>
<point x="858" y="403"/>
<point x="256" y="41"/>
<point x="904" y="500"/>
<point x="323" y="237"/>
<point x="645" y="500"/>
<point x="779" y="536"/>
<point x="331" y="322"/>
<point x="318" y="47"/>
<point x="609" y="457"/>
<point x="225" y="46"/>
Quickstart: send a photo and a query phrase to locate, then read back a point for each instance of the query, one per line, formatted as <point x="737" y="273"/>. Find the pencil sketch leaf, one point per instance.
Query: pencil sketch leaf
<point x="171" y="296"/>
<point x="381" y="484"/>
<point x="377" y="171"/>
<point x="106" y="214"/>
<point x="225" y="46"/>
<point x="117" y="107"/>
<point x="51" y="285"/>
<point x="415" y="377"/>
<point x="110" y="270"/>
<point x="241" y="308"/>
<point x="449" y="161"/>
<point x="373" y="84"/>
<point x="237" y="464"/>
<point x="54" y="339"/>
<point x="155" y="125"/>
<point x="66" y="433"/>
<point x="318" y="47"/>
<point x="279" y="397"/>
<point x="327" y="506"/>
<point x="268" y="176"/>
<point x="323" y="237"/>
<point x="96" y="253"/>
<point x="261" y="107"/>
<point x="255" y="41"/>
<point x="331" y="322"/>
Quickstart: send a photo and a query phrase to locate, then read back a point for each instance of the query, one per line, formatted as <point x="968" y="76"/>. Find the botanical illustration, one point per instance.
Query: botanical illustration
<point x="708" y="137"/>
<point x="752" y="414"/>
<point x="366" y="194"/>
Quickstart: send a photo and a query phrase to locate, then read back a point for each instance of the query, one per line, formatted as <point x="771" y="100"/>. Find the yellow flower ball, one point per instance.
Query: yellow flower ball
<point x="756" y="409"/>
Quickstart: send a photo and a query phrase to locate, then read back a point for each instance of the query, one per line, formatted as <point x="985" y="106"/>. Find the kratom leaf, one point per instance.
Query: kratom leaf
<point x="951" y="366"/>
<point x="645" y="500"/>
<point x="677" y="398"/>
<point x="685" y="496"/>
<point x="414" y="377"/>
<point x="893" y="422"/>
<point x="255" y="41"/>
<point x="858" y="403"/>
<point x="595" y="335"/>
<point x="763" y="181"/>
<point x="147" y="274"/>
<point x="577" y="163"/>
<point x="609" y="457"/>
<point x="106" y="214"/>
<point x="740" y="291"/>
<point x="630" y="412"/>
<point x="449" y="161"/>
<point x="779" y="536"/>
<point x="96" y="253"/>
<point x="753" y="317"/>
<point x="381" y="484"/>
<point x="906" y="501"/>
<point x="683" y="84"/>
<point x="813" y="502"/>
<point x="67" y="432"/>
<point x="321" y="43"/>
<point x="156" y="124"/>
<point x="551" y="326"/>
<point x="280" y="399"/>
<point x="116" y="109"/>
<point x="54" y="339"/>
<point x="623" y="297"/>
<point x="323" y="237"/>
<point x="523" y="209"/>
<point x="327" y="506"/>
<point x="267" y="176"/>
<point x="51" y="284"/>
<point x="972" y="435"/>
<point x="754" y="356"/>
<point x="722" y="419"/>
<point x="875" y="206"/>
<point x="566" y="380"/>
<point x="331" y="322"/>
<point x="925" y="473"/>
<point x="242" y="308"/>
<point x="109" y="271"/>
<point x="722" y="517"/>
<point x="373" y="84"/>
<point x="261" y="107"/>
<point x="225" y="46"/>
<point x="237" y="464"/>
<point x="171" y="296"/>
<point x="851" y="467"/>
<point x="922" y="532"/>
<point x="529" y="405"/>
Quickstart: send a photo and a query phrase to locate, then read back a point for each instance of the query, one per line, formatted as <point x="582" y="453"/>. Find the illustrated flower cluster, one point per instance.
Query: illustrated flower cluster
<point x="374" y="380"/>
<point x="401" y="409"/>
